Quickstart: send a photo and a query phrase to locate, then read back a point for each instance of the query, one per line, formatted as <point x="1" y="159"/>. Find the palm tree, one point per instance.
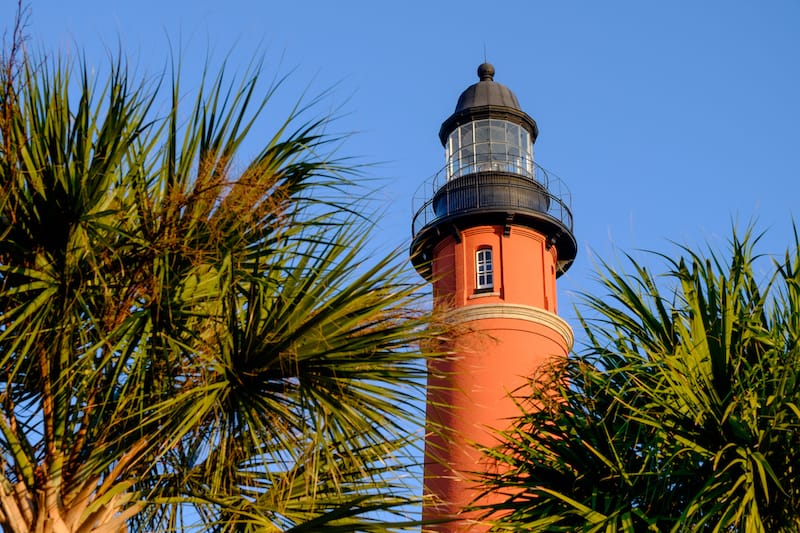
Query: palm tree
<point x="683" y="412"/>
<point x="188" y="337"/>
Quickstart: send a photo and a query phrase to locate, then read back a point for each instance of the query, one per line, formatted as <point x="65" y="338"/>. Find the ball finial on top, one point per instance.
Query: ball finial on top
<point x="486" y="72"/>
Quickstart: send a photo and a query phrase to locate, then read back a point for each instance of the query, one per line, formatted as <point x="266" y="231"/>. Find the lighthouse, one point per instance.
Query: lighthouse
<point x="492" y="231"/>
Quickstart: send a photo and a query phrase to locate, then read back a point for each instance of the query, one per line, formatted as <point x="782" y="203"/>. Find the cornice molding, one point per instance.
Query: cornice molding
<point x="517" y="312"/>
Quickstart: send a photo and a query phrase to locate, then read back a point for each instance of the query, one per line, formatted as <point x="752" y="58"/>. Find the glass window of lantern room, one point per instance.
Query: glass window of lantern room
<point x="514" y="159"/>
<point x="483" y="156"/>
<point x="465" y="151"/>
<point x="512" y="134"/>
<point x="453" y="149"/>
<point x="526" y="147"/>
<point x="484" y="269"/>
<point x="520" y="138"/>
<point x="489" y="144"/>
<point x="465" y="136"/>
<point x="499" y="151"/>
<point x="497" y="131"/>
<point x="481" y="130"/>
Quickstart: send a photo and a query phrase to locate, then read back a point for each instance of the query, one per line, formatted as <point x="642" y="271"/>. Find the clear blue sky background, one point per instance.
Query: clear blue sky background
<point x="668" y="120"/>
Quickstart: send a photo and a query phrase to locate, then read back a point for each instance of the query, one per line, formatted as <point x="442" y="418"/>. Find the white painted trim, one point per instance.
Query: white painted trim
<point x="517" y="312"/>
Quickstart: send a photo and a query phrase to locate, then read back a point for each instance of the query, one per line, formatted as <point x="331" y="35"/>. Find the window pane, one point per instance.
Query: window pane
<point x="465" y="132"/>
<point x="512" y="132"/>
<point x="454" y="144"/>
<point x="525" y="142"/>
<point x="466" y="161"/>
<point x="514" y="136"/>
<point x="499" y="151"/>
<point x="481" y="130"/>
<point x="484" y="269"/>
<point x="482" y="154"/>
<point x="451" y="155"/>
<point x="497" y="130"/>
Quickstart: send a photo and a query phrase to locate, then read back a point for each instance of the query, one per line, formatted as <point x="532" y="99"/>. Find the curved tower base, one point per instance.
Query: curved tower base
<point x="499" y="349"/>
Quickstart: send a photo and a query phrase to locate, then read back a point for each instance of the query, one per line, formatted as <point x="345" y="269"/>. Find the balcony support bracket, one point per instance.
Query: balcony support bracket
<point x="507" y="226"/>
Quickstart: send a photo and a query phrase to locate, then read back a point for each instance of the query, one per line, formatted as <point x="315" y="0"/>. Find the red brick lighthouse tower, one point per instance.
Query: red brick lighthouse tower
<point x="492" y="231"/>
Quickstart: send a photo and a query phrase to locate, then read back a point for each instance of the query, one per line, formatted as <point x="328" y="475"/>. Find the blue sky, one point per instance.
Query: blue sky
<point x="667" y="120"/>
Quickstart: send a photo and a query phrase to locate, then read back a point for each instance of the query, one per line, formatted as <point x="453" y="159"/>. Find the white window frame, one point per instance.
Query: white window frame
<point x="484" y="268"/>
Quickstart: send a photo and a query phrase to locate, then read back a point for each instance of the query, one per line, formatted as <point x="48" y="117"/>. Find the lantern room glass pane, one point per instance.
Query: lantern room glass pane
<point x="481" y="130"/>
<point x="452" y="148"/>
<point x="497" y="130"/>
<point x="489" y="145"/>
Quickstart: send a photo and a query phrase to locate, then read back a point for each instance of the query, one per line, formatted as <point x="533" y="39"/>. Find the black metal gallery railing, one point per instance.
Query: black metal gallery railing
<point x="491" y="187"/>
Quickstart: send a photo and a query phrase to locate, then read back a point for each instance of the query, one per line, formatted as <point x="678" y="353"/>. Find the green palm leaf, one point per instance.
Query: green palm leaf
<point x="680" y="415"/>
<point x="189" y="337"/>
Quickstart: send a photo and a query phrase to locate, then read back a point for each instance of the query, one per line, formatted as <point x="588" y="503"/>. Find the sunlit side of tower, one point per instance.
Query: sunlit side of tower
<point x="492" y="231"/>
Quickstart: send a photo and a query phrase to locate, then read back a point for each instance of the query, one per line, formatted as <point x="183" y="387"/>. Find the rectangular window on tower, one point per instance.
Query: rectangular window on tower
<point x="484" y="269"/>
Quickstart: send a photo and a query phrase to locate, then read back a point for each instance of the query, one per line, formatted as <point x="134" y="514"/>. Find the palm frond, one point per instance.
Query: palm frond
<point x="190" y="336"/>
<point x="681" y="413"/>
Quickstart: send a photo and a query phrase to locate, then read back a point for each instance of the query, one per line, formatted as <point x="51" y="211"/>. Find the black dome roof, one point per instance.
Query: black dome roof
<point x="487" y="92"/>
<point x="487" y="99"/>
